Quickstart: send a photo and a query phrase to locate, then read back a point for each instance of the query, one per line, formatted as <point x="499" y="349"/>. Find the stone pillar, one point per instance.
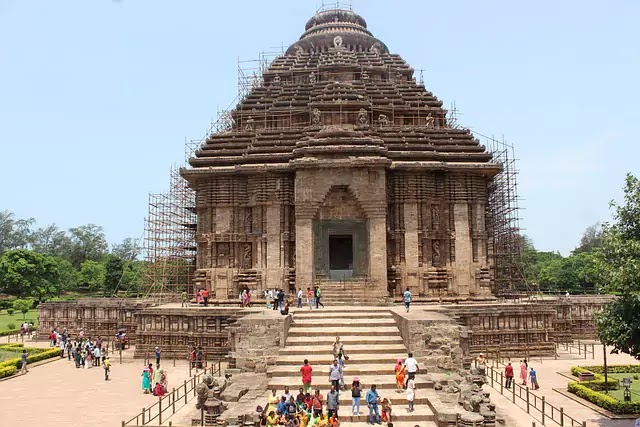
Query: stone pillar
<point x="274" y="261"/>
<point x="304" y="252"/>
<point x="378" y="253"/>
<point x="411" y="247"/>
<point x="463" y="276"/>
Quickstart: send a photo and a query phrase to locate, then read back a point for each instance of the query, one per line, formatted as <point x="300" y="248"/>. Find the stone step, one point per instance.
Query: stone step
<point x="351" y="309"/>
<point x="395" y="397"/>
<point x="354" y="359"/>
<point x="317" y="322"/>
<point x="332" y="330"/>
<point x="347" y="340"/>
<point x="350" y="371"/>
<point x="398" y="414"/>
<point x="306" y="350"/>
<point x="383" y="382"/>
<point x="302" y="314"/>
<point x="422" y="423"/>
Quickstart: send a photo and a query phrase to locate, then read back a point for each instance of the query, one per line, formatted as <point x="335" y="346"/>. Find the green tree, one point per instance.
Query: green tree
<point x="92" y="274"/>
<point x="70" y="278"/>
<point x="617" y="266"/>
<point x="52" y="241"/>
<point x="128" y="250"/>
<point x="10" y="311"/>
<point x="28" y="273"/>
<point x="88" y="243"/>
<point x="114" y="268"/>
<point x="14" y="233"/>
<point x="591" y="239"/>
<point x="23" y="306"/>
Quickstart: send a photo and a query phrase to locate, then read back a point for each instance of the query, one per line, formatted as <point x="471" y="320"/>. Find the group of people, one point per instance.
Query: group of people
<point x="309" y="407"/>
<point x="84" y="351"/>
<point x="154" y="381"/>
<point x="245" y="297"/>
<point x="26" y="329"/>
<point x="524" y="367"/>
<point x="202" y="297"/>
<point x="196" y="357"/>
<point x="275" y="299"/>
<point x="304" y="410"/>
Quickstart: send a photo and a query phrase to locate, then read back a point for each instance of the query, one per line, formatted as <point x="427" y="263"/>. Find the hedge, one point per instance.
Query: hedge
<point x="9" y="332"/>
<point x="32" y="358"/>
<point x="612" y="369"/>
<point x="8" y="371"/>
<point x="9" y="346"/>
<point x="602" y="400"/>
<point x="598" y="380"/>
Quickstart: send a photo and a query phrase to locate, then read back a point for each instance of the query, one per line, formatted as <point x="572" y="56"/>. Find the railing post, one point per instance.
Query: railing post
<point x="122" y="425"/>
<point x="593" y="351"/>
<point x="513" y="391"/>
<point x="501" y="383"/>
<point x="491" y="376"/>
<point x="527" y="400"/>
<point x="584" y="424"/>
<point x="143" y="423"/>
<point x="585" y="351"/>
<point x="543" y="407"/>
<point x="160" y="410"/>
<point x="185" y="392"/>
<point x="173" y="399"/>
<point x="561" y="416"/>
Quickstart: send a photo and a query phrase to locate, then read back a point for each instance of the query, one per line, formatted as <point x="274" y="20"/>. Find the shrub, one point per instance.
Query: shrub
<point x="35" y="355"/>
<point x="598" y="380"/>
<point x="11" y="326"/>
<point x="8" y="371"/>
<point x="602" y="400"/>
<point x="612" y="369"/>
<point x="10" y="312"/>
<point x="10" y="346"/>
<point x="9" y="332"/>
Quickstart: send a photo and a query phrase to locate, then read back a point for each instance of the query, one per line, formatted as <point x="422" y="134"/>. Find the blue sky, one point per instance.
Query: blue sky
<point x="97" y="97"/>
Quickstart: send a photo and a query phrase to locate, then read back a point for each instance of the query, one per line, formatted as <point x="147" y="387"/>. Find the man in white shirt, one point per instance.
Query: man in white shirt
<point x="411" y="366"/>
<point x="300" y="298"/>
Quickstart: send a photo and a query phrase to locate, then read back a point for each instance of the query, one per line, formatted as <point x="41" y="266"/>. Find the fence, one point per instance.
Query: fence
<point x="535" y="406"/>
<point x="582" y="348"/>
<point x="180" y="395"/>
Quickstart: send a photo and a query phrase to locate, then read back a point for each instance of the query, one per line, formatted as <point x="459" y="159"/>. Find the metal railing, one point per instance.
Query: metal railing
<point x="167" y="403"/>
<point x="535" y="406"/>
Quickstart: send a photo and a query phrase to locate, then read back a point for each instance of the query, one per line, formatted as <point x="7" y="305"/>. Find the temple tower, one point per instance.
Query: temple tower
<point x="340" y="167"/>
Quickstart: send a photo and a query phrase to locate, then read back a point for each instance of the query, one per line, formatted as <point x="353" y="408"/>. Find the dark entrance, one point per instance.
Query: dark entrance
<point x="341" y="252"/>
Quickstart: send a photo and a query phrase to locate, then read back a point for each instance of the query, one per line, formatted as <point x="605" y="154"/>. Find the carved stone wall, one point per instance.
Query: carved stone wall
<point x="97" y="316"/>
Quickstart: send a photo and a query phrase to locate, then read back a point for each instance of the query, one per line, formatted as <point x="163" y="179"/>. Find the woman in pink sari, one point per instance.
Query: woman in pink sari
<point x="523" y="373"/>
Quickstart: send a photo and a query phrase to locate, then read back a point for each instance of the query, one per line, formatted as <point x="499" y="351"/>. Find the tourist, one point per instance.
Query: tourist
<point x="96" y="356"/>
<point x="386" y="410"/>
<point x="205" y="297"/>
<point x="508" y="373"/>
<point x="281" y="296"/>
<point x="198" y="296"/>
<point x="372" y="403"/>
<point x="268" y="296"/>
<point x="533" y="378"/>
<point x="88" y="362"/>
<point x="158" y="390"/>
<point x="411" y="366"/>
<point x="184" y="299"/>
<point x="247" y="298"/>
<point x="150" y="369"/>
<point x="283" y="406"/>
<point x="24" y="358"/>
<point x="338" y="349"/>
<point x="411" y="394"/>
<point x="333" y="401"/>
<point x="272" y="419"/>
<point x="316" y="403"/>
<point x="300" y="298"/>
<point x="199" y="358"/>
<point x="272" y="401"/>
<point x="407" y="299"/>
<point x="300" y="397"/>
<point x="69" y="349"/>
<point x="308" y="401"/>
<point x="480" y="360"/>
<point x="62" y="347"/>
<point x="287" y="394"/>
<point x="106" y="364"/>
<point x="399" y="371"/>
<point x="285" y="310"/>
<point x="306" y="370"/>
<point x="318" y="294"/>
<point x="323" y="421"/>
<point x="276" y="300"/>
<point x="292" y="408"/>
<point x="310" y="298"/>
<point x="157" y="352"/>
<point x="335" y="374"/>
<point x="526" y="364"/>
<point x="192" y="358"/>
<point x="241" y="298"/>
<point x="164" y="380"/>
<point x="334" y="421"/>
<point x="523" y="372"/>
<point x="356" y="394"/>
<point x="146" y="381"/>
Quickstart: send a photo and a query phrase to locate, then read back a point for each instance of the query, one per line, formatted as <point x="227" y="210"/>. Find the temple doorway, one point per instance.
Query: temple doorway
<point x="340" y="256"/>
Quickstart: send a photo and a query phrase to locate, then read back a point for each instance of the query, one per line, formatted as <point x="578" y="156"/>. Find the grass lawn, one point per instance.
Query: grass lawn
<point x="16" y="319"/>
<point x="6" y="355"/>
<point x="635" y="388"/>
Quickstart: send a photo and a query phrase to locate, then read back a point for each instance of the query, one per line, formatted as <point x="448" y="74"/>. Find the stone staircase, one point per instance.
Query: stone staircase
<point x="350" y="292"/>
<point x="373" y="343"/>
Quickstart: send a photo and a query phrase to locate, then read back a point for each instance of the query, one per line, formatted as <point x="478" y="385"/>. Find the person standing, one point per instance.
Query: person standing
<point x="146" y="381"/>
<point x="106" y="364"/>
<point x="62" y="347"/>
<point x="318" y="295"/>
<point x="205" y="297"/>
<point x="508" y="373"/>
<point x="356" y="394"/>
<point x="333" y="401"/>
<point x="411" y="394"/>
<point x="157" y="351"/>
<point x="399" y="371"/>
<point x="317" y="403"/>
<point x="310" y="298"/>
<point x="335" y="373"/>
<point x="183" y="299"/>
<point x="372" y="399"/>
<point x="407" y="299"/>
<point x="69" y="349"/>
<point x="523" y="372"/>
<point x="24" y="359"/>
<point x="411" y="366"/>
<point x="306" y="370"/>
<point x="300" y="298"/>
<point x="533" y="377"/>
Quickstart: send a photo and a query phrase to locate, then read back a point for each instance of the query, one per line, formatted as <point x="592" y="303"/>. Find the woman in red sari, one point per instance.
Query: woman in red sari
<point x="399" y="371"/>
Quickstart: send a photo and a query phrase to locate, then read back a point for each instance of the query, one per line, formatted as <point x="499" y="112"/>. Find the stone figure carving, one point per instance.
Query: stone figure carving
<point x="312" y="78"/>
<point x="277" y="80"/>
<point x="247" y="258"/>
<point x="337" y="41"/>
<point x="363" y="117"/>
<point x="365" y="75"/>
<point x="399" y="76"/>
<point x="249" y="124"/>
<point x="248" y="220"/>
<point x="430" y="121"/>
<point x="315" y="116"/>
<point x="435" y="246"/>
<point x="299" y="50"/>
<point x="435" y="217"/>
<point x="208" y="393"/>
<point x="375" y="48"/>
<point x="382" y="120"/>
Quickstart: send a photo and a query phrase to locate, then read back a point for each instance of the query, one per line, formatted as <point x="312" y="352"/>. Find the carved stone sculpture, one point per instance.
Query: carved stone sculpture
<point x="249" y="124"/>
<point x="363" y="117"/>
<point x="430" y="121"/>
<point x="315" y="116"/>
<point x="382" y="120"/>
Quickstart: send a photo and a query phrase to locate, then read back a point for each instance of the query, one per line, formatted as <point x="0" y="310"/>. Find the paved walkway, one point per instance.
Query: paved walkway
<point x="65" y="396"/>
<point x="549" y="378"/>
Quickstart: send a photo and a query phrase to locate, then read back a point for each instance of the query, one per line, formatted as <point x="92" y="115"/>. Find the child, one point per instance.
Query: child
<point x="333" y="421"/>
<point x="386" y="410"/>
<point x="411" y="394"/>
<point x="158" y="390"/>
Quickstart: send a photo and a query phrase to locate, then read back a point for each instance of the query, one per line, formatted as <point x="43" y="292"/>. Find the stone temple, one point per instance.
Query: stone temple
<point x="340" y="167"/>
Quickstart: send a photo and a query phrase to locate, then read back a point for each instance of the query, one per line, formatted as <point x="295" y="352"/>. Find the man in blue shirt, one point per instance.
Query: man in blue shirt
<point x="407" y="299"/>
<point x="372" y="403"/>
<point x="282" y="407"/>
